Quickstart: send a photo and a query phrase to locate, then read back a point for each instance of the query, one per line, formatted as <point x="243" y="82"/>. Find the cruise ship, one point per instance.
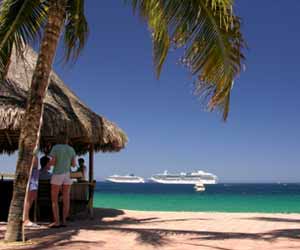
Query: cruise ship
<point x="185" y="178"/>
<point x="125" y="179"/>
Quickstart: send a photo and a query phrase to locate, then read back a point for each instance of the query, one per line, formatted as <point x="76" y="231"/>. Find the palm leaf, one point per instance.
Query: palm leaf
<point x="210" y="34"/>
<point x="152" y="11"/>
<point x="76" y="29"/>
<point x="20" y="24"/>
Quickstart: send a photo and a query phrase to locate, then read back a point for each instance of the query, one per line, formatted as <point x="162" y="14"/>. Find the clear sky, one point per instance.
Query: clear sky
<point x="167" y="126"/>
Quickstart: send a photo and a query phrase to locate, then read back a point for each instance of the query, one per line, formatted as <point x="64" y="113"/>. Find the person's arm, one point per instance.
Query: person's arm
<point x="35" y="162"/>
<point x="51" y="162"/>
<point x="73" y="162"/>
<point x="84" y="171"/>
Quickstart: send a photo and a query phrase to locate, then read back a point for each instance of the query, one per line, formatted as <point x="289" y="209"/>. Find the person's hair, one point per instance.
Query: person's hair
<point x="80" y="160"/>
<point x="44" y="161"/>
<point x="62" y="138"/>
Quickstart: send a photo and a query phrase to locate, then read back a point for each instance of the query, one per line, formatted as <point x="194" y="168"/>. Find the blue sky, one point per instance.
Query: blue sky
<point x="167" y="126"/>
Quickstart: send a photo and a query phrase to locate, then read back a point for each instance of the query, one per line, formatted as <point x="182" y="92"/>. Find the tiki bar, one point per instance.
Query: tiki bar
<point x="63" y="111"/>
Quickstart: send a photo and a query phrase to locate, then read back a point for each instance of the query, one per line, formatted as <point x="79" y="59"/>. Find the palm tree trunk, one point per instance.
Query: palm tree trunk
<point x="31" y="127"/>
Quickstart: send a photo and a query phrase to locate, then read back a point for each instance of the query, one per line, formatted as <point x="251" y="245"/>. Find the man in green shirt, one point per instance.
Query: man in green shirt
<point x="63" y="157"/>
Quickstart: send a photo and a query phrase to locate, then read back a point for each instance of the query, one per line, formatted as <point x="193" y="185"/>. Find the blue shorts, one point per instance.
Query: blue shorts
<point x="34" y="180"/>
<point x="33" y="186"/>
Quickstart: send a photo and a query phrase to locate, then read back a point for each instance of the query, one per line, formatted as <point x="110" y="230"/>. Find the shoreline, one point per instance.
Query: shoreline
<point x="208" y="212"/>
<point x="127" y="229"/>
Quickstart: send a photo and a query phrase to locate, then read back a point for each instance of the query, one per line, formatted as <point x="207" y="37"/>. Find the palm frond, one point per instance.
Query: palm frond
<point x="76" y="29"/>
<point x="209" y="32"/>
<point x="20" y="23"/>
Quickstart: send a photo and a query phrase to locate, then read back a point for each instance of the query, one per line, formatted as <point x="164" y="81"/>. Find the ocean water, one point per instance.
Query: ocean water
<point x="267" y="198"/>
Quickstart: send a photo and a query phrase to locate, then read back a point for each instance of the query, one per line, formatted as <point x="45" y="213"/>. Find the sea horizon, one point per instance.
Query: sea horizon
<point x="222" y="182"/>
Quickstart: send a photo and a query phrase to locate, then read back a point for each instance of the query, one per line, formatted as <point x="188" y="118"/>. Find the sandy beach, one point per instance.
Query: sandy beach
<point x="126" y="230"/>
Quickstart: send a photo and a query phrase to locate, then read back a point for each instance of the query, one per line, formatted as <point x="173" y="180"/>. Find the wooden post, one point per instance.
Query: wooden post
<point x="91" y="163"/>
<point x="91" y="181"/>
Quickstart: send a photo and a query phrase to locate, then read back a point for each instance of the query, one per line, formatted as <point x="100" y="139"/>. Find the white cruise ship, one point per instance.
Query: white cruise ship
<point x="185" y="178"/>
<point x="125" y="179"/>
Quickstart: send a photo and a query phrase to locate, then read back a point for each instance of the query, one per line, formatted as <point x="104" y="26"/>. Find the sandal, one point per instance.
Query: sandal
<point x="54" y="226"/>
<point x="31" y="224"/>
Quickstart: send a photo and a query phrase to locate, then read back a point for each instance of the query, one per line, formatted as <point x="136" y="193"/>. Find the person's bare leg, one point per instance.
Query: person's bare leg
<point x="28" y="203"/>
<point x="33" y="197"/>
<point x="66" y="202"/>
<point x="54" y="202"/>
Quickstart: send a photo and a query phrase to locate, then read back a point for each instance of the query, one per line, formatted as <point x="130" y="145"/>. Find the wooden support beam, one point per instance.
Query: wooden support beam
<point x="91" y="181"/>
<point x="91" y="163"/>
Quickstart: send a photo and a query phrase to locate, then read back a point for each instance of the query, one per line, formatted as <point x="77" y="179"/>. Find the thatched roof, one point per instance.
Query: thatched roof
<point x="63" y="111"/>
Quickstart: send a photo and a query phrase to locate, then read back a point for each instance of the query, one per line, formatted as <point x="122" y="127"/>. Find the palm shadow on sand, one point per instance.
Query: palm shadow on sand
<point x="155" y="236"/>
<point x="273" y="219"/>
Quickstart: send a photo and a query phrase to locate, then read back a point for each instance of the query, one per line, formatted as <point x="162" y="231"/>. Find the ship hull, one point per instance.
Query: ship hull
<point x="184" y="182"/>
<point x="125" y="181"/>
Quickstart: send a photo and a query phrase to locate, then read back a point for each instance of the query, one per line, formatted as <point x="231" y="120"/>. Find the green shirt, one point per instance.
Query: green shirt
<point x="63" y="155"/>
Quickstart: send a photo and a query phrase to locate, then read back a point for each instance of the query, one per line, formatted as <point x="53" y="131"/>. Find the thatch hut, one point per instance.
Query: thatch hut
<point x="63" y="110"/>
<point x="88" y="131"/>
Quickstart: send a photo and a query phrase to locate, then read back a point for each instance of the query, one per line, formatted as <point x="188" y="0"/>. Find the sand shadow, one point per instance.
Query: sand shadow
<point x="81" y="244"/>
<point x="274" y="219"/>
<point x="207" y="246"/>
<point x="152" y="220"/>
<point x="49" y="238"/>
<point x="45" y="238"/>
<point x="159" y="236"/>
<point x="128" y="221"/>
<point x="102" y="213"/>
<point x="151" y="238"/>
<point x="266" y="236"/>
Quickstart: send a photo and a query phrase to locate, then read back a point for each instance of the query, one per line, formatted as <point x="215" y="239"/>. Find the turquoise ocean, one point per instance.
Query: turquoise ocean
<point x="267" y="198"/>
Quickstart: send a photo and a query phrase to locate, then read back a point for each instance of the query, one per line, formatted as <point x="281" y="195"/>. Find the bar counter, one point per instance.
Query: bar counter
<point x="79" y="197"/>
